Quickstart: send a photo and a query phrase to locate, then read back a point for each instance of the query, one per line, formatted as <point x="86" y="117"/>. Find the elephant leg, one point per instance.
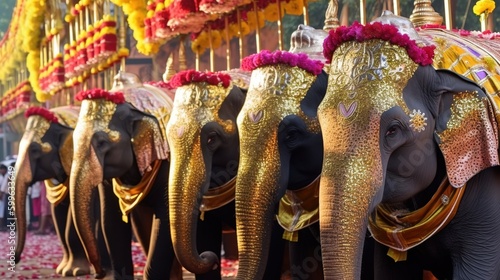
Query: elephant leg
<point x="101" y="243"/>
<point x="274" y="265"/>
<point x="59" y="215"/>
<point x="142" y="222"/>
<point x="161" y="252"/>
<point x="305" y="255"/>
<point x="209" y="238"/>
<point x="117" y="234"/>
<point x="98" y="232"/>
<point x="387" y="269"/>
<point x="367" y="262"/>
<point x="77" y="264"/>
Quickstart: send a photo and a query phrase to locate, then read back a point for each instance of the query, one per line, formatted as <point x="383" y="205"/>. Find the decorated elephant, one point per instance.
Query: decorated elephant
<point x="410" y="133"/>
<point x="204" y="147"/>
<point x="120" y="136"/>
<point x="280" y="155"/>
<point x="45" y="153"/>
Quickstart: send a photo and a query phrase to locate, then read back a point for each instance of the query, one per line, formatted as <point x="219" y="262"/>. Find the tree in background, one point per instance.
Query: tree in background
<point x="6" y="8"/>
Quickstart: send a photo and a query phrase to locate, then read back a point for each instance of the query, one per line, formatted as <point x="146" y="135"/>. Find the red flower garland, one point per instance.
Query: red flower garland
<point x="42" y="112"/>
<point x="193" y="76"/>
<point x="266" y="57"/>
<point x="159" y="84"/>
<point x="376" y="30"/>
<point x="97" y="93"/>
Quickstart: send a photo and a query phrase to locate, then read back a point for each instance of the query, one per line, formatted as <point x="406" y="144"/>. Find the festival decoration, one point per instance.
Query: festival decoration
<point x="11" y="56"/>
<point x="483" y="8"/>
<point x="136" y="11"/>
<point x="377" y="30"/>
<point x="15" y="100"/>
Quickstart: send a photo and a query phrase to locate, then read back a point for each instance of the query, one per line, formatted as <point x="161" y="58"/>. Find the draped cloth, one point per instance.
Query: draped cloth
<point x="401" y="230"/>
<point x="299" y="209"/>
<point x="130" y="196"/>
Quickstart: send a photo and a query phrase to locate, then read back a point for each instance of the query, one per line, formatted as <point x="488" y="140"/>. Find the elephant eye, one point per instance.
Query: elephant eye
<point x="291" y="135"/>
<point x="392" y="130"/>
<point x="211" y="138"/>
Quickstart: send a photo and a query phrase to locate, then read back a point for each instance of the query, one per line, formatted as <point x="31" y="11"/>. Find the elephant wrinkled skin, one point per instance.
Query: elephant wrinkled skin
<point x="45" y="153"/>
<point x="280" y="148"/>
<point x="121" y="136"/>
<point x="398" y="136"/>
<point x="204" y="150"/>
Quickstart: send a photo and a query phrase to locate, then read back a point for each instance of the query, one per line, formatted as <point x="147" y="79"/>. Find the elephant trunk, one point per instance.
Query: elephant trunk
<point x="350" y="185"/>
<point x="23" y="177"/>
<point x="256" y="197"/>
<point x="186" y="181"/>
<point x="86" y="173"/>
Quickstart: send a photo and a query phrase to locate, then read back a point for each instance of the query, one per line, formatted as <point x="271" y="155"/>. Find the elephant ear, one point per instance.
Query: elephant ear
<point x="152" y="108"/>
<point x="466" y="128"/>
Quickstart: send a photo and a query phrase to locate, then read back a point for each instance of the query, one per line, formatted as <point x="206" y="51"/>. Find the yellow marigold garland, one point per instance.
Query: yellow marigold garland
<point x="483" y="6"/>
<point x="136" y="11"/>
<point x="10" y="53"/>
<point x="35" y="10"/>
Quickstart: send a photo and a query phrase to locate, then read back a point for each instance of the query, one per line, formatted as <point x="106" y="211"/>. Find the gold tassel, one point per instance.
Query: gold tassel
<point x="291" y="235"/>
<point x="396" y="255"/>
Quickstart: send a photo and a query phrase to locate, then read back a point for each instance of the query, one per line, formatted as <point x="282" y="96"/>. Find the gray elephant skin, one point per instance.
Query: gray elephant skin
<point x="120" y="137"/>
<point x="408" y="135"/>
<point x="204" y="145"/>
<point x="45" y="153"/>
<point x="281" y="151"/>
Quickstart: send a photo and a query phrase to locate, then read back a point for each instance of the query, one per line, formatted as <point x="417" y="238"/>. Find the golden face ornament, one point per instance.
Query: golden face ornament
<point x="95" y="116"/>
<point x="278" y="85"/>
<point x="97" y="109"/>
<point x="370" y="67"/>
<point x="195" y="105"/>
<point x="366" y="79"/>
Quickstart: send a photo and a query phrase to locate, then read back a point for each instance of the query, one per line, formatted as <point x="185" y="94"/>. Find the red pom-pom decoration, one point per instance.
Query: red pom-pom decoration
<point x="376" y="30"/>
<point x="159" y="84"/>
<point x="266" y="58"/>
<point x="97" y="93"/>
<point x="42" y="112"/>
<point x="193" y="76"/>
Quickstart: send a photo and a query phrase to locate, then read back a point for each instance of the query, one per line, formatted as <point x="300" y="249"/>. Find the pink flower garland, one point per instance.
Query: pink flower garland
<point x="42" y="112"/>
<point x="159" y="84"/>
<point x="193" y="76"/>
<point x="376" y="30"/>
<point x="97" y="93"/>
<point x="265" y="58"/>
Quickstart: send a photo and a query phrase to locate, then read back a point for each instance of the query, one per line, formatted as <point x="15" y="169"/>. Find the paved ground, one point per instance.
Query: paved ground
<point x="43" y="253"/>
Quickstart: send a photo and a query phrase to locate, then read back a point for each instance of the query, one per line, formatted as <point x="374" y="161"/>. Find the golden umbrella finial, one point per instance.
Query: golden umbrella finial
<point x="423" y="14"/>
<point x="169" y="69"/>
<point x="182" y="54"/>
<point x="331" y="16"/>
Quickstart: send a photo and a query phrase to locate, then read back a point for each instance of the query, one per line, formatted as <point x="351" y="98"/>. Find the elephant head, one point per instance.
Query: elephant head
<point x="45" y="152"/>
<point x="280" y="146"/>
<point x="118" y="135"/>
<point x="389" y="120"/>
<point x="204" y="150"/>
